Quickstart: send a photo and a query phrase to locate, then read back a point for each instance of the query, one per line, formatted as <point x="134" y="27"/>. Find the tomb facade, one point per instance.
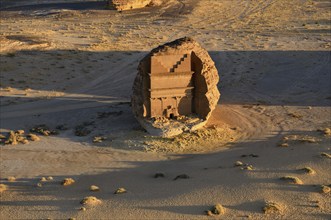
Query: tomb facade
<point x="176" y="82"/>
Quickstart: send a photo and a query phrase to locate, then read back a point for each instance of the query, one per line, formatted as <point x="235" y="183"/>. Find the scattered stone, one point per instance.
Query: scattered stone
<point x="90" y="200"/>
<point x="43" y="130"/>
<point x="3" y="188"/>
<point x="292" y="180"/>
<point x="218" y="209"/>
<point x="120" y="191"/>
<point x="99" y="139"/>
<point x="272" y="207"/>
<point x="11" y="138"/>
<point x="71" y="218"/>
<point x="49" y="178"/>
<point x="68" y="181"/>
<point x="283" y="145"/>
<point x="209" y="213"/>
<point x="94" y="188"/>
<point x="19" y="132"/>
<point x="308" y="139"/>
<point x="326" y="155"/>
<point x="15" y="137"/>
<point x="33" y="137"/>
<point x="39" y="185"/>
<point x="11" y="179"/>
<point x="182" y="176"/>
<point x="308" y="170"/>
<point x="248" y="167"/>
<point x="238" y="163"/>
<point x="43" y="179"/>
<point x="22" y="140"/>
<point x="82" y="209"/>
<point x="325" y="131"/>
<point x="158" y="175"/>
<point x="298" y="139"/>
<point x="325" y="189"/>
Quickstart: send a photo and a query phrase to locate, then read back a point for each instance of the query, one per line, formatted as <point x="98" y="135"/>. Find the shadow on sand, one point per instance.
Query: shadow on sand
<point x="246" y="77"/>
<point x="213" y="177"/>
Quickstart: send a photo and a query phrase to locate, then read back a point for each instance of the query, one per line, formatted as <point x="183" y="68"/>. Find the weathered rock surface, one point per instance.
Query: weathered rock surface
<point x="204" y="93"/>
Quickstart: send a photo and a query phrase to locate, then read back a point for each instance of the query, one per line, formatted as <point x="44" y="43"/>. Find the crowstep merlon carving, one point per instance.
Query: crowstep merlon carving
<point x="175" y="89"/>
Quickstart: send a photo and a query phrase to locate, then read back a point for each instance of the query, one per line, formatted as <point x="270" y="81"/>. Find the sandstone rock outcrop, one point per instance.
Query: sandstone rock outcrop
<point x="175" y="89"/>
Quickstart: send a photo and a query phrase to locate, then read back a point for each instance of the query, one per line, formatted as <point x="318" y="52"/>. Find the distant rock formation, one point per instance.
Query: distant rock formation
<point x="175" y="89"/>
<point x="122" y="5"/>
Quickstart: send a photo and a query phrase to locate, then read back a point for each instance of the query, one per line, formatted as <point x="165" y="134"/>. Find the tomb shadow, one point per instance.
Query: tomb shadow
<point x="96" y="86"/>
<point x="68" y="5"/>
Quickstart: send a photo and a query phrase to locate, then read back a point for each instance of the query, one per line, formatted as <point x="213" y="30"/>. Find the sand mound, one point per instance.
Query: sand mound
<point x="272" y="207"/>
<point x="308" y="170"/>
<point x="292" y="180"/>
<point x="91" y="200"/>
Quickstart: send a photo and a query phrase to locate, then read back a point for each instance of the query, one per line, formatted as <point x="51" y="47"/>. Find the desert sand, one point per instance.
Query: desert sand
<point x="70" y="66"/>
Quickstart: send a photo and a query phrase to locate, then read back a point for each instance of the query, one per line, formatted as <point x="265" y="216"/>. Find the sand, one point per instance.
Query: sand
<point x="71" y="67"/>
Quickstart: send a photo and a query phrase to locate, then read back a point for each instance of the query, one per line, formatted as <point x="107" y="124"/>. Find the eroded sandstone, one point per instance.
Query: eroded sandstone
<point x="175" y="89"/>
